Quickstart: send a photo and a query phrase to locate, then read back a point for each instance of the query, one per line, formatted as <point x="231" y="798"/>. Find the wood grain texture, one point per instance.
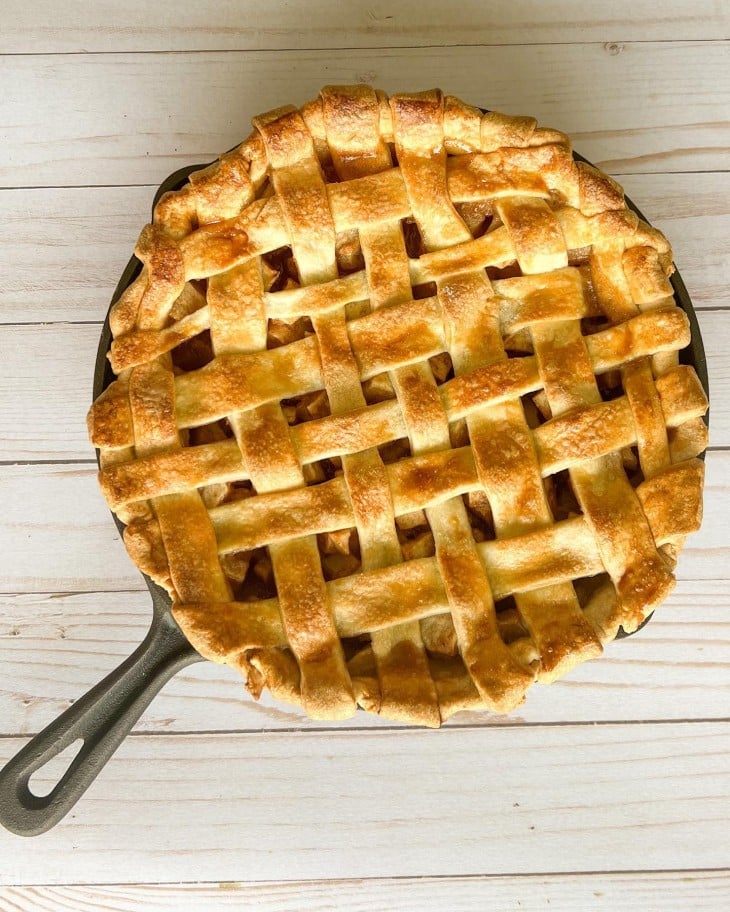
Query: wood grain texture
<point x="354" y="804"/>
<point x="46" y="375"/>
<point x="54" y="647"/>
<point x="252" y="804"/>
<point x="62" y="250"/>
<point x="50" y="553"/>
<point x="134" y="118"/>
<point x="700" y="891"/>
<point x="275" y="24"/>
<point x="44" y="393"/>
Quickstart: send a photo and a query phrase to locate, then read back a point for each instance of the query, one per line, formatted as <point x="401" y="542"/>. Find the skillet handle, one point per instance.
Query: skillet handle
<point x="101" y="719"/>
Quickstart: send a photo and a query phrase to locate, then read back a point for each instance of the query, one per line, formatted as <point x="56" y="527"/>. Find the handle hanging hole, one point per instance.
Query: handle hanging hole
<point x="44" y="780"/>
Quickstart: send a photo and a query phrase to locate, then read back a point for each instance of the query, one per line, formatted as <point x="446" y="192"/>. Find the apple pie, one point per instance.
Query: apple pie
<point x="399" y="420"/>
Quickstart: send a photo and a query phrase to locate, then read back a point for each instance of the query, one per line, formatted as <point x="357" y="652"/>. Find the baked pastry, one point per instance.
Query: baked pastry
<point x="399" y="421"/>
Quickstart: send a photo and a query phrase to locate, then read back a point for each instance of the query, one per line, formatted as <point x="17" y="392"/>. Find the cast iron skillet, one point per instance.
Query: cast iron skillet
<point x="104" y="716"/>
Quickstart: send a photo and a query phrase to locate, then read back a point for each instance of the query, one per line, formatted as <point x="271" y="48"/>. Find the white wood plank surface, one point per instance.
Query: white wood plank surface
<point x="701" y="891"/>
<point x="124" y="118"/>
<point x="51" y="551"/>
<point x="54" y="551"/>
<point x="308" y="806"/>
<point x="62" y="250"/>
<point x="56" y="646"/>
<point x="136" y="25"/>
<point x="46" y="374"/>
<point x="253" y="805"/>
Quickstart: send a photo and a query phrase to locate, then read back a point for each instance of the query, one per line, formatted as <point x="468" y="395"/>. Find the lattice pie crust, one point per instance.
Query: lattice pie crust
<point x="399" y="420"/>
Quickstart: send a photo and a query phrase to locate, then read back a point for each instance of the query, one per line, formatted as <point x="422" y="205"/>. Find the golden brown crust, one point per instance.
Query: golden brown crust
<point x="318" y="393"/>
